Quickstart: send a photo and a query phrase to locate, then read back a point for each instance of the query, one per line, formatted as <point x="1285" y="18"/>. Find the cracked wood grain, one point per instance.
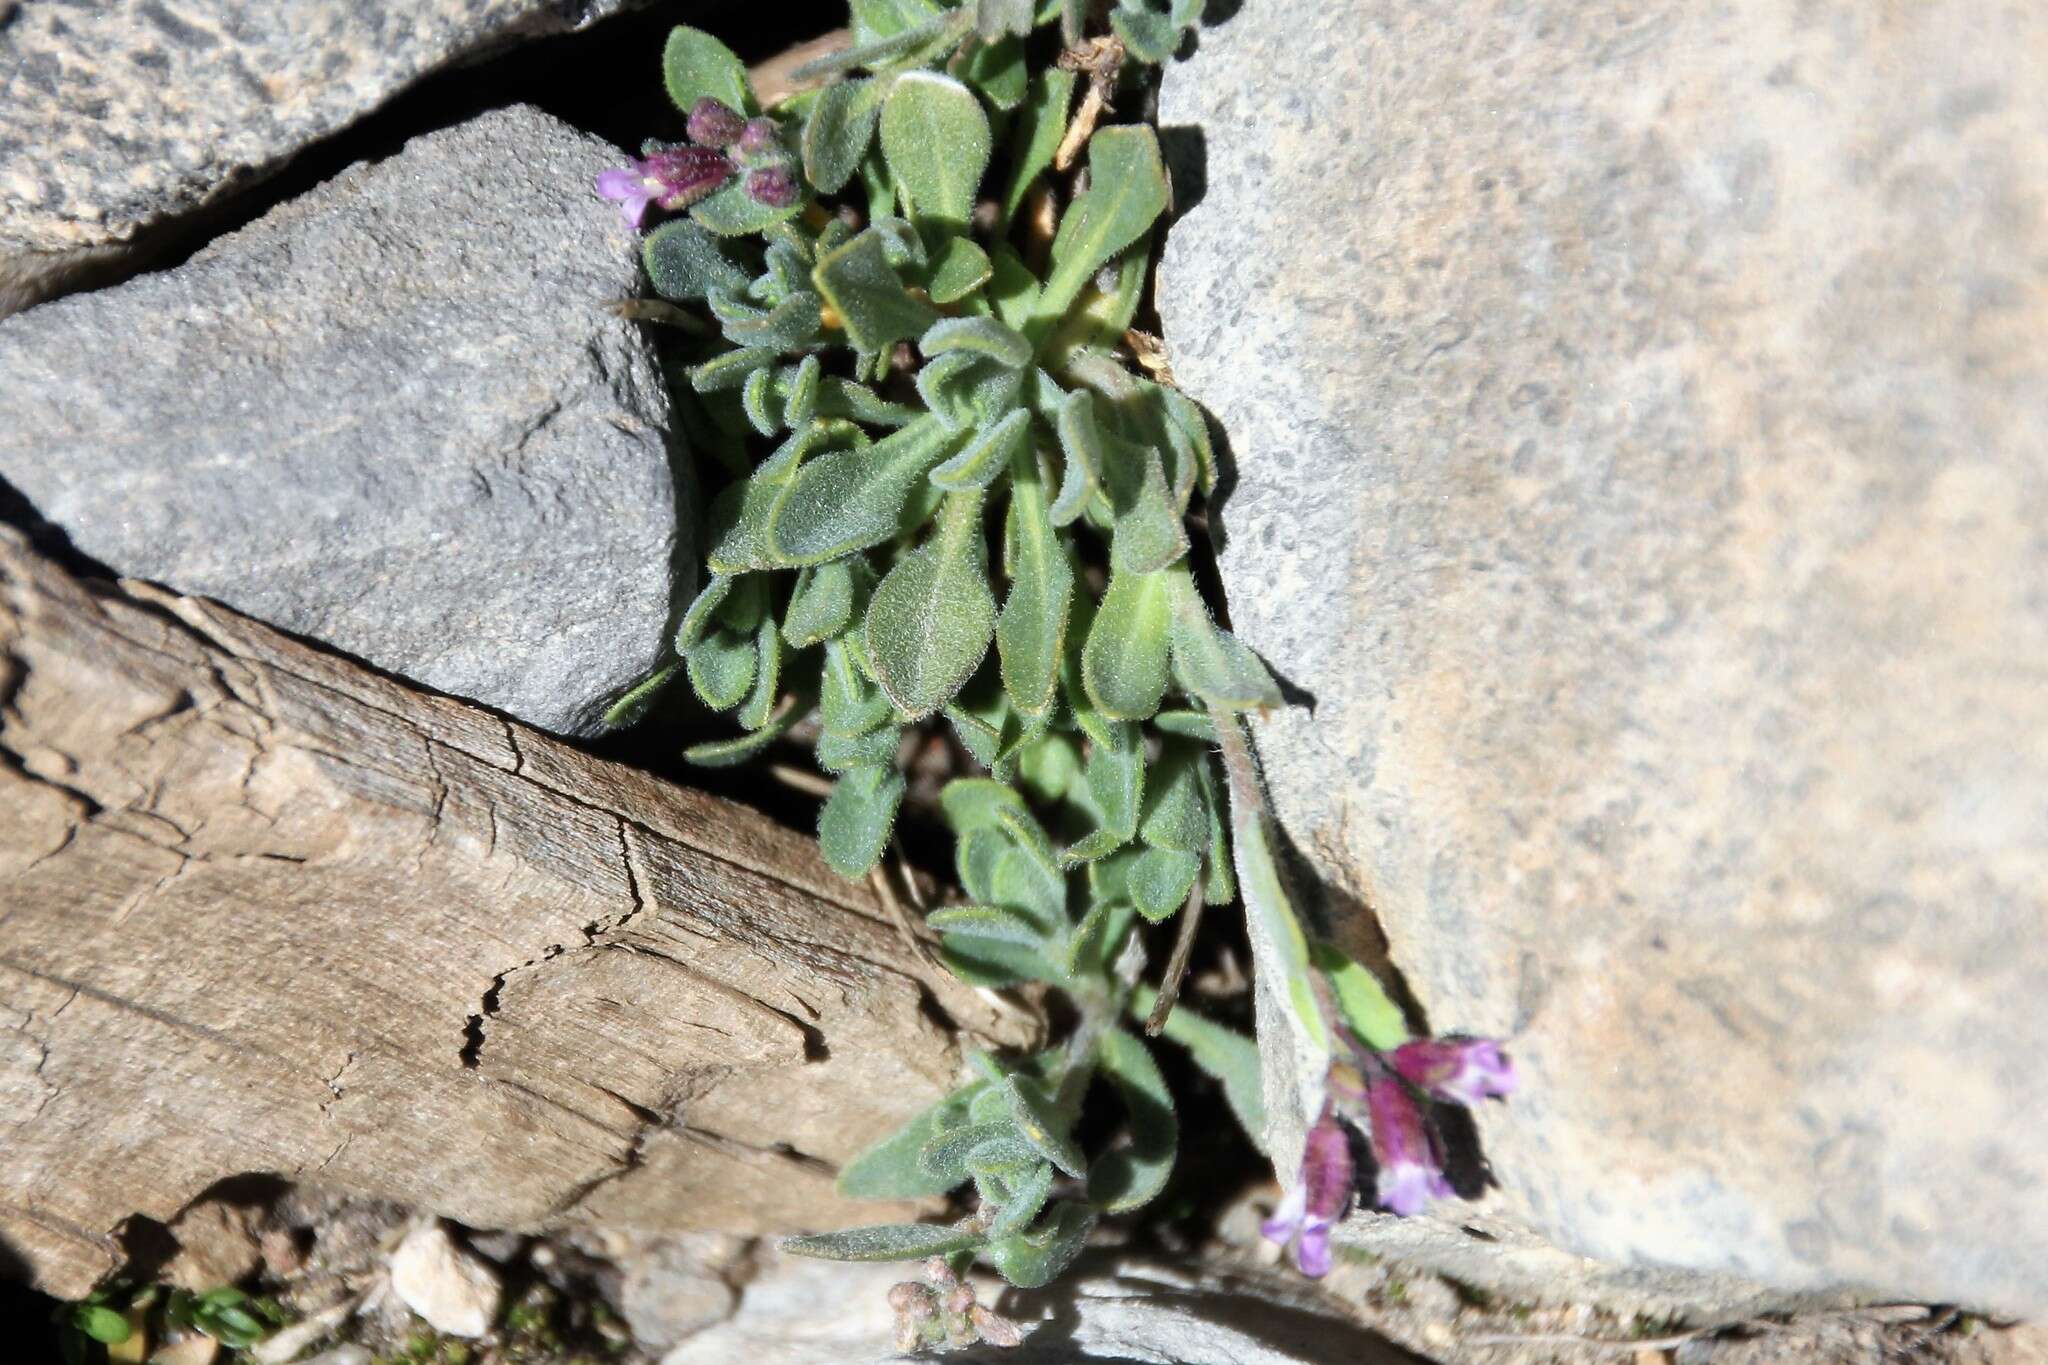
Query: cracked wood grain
<point x="262" y="910"/>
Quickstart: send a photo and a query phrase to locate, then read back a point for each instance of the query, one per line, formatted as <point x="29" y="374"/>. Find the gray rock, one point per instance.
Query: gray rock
<point x="117" y="113"/>
<point x="1641" y="423"/>
<point x="392" y="415"/>
<point x="798" y="1312"/>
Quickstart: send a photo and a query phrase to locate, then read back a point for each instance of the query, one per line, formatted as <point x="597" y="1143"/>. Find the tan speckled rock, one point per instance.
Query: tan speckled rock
<point x="1641" y="422"/>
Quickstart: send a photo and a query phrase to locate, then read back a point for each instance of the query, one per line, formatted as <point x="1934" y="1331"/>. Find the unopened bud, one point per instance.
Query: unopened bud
<point x="995" y="1329"/>
<point x="939" y="1272"/>
<point x="713" y="123"/>
<point x="773" y="186"/>
<point x="759" y="137"/>
<point x="901" y="1296"/>
<point x="961" y="1299"/>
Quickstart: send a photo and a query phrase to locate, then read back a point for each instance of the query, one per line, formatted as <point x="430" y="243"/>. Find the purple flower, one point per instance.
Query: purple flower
<point x="773" y="186"/>
<point x="673" y="179"/>
<point x="1464" y="1070"/>
<point x="714" y="123"/>
<point x="1319" y="1198"/>
<point x="1411" y="1171"/>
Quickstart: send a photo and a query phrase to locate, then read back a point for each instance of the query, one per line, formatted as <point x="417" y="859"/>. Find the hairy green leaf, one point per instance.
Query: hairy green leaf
<point x="1127" y="191"/>
<point x="890" y="1169"/>
<point x="848" y="703"/>
<point x="1214" y="664"/>
<point x="726" y="753"/>
<point x="825" y="599"/>
<point x="695" y="64"/>
<point x="1175" y="813"/>
<point x="935" y="138"/>
<point x="854" y="826"/>
<point x="1027" y="1197"/>
<point x="721" y="667"/>
<point x="988" y="921"/>
<point x="868" y="296"/>
<point x="839" y="130"/>
<point x="1042" y="1124"/>
<point x="1032" y="632"/>
<point x="732" y="212"/>
<point x="887" y="1242"/>
<point x="983" y="459"/>
<point x="981" y="336"/>
<point x="945" y="1156"/>
<point x="966" y="390"/>
<point x="1032" y="1259"/>
<point x="1159" y="880"/>
<point x="850" y="499"/>
<point x="1148" y="534"/>
<point x="930" y="621"/>
<point x="685" y="263"/>
<point x="1123" y="664"/>
<point x="961" y="268"/>
<point x="1226" y="1054"/>
<point x="1040" y="125"/>
<point x="999" y="69"/>
<point x="1130" y="1176"/>
<point x="1081" y="443"/>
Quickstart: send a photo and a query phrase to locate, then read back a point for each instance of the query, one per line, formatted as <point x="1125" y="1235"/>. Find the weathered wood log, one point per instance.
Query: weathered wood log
<point x="262" y="910"/>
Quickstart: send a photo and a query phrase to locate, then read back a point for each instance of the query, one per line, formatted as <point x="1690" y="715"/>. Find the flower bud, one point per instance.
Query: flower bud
<point x="960" y="1299"/>
<point x="773" y="186"/>
<point x="939" y="1272"/>
<point x="759" y="137"/>
<point x="714" y="123"/>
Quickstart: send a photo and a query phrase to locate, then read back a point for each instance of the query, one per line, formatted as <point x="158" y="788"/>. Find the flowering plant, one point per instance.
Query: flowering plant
<point x="960" y="491"/>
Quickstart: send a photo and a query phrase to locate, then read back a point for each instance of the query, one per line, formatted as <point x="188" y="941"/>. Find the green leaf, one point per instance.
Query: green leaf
<point x="740" y="515"/>
<point x="1042" y="1124"/>
<point x="1123" y="664"/>
<point x="1159" y="881"/>
<point x="1148" y="534"/>
<point x="1033" y="1259"/>
<point x="1226" y="1054"/>
<point x="1129" y="1177"/>
<point x="839" y="130"/>
<point x="824" y="600"/>
<point x="990" y="962"/>
<point x="1214" y="664"/>
<point x="732" y="212"/>
<point x="1027" y="1197"/>
<point x="864" y="289"/>
<point x="1081" y="443"/>
<point x="999" y="70"/>
<point x="877" y="20"/>
<point x="1268" y="913"/>
<point x="101" y="1323"/>
<point x="721" y="667"/>
<point x="760" y="703"/>
<point x="757" y="401"/>
<point x="1372" y="1014"/>
<point x="1221" y="886"/>
<point x="686" y="263"/>
<point x="848" y="704"/>
<point x="695" y="64"/>
<point x="1175" y="814"/>
<point x="1012" y="288"/>
<point x="962" y="268"/>
<point x="730" y="370"/>
<point x="1147" y="35"/>
<point x="1127" y="191"/>
<point x="1040" y="126"/>
<point x="635" y="703"/>
<point x="728" y="753"/>
<point x="850" y="499"/>
<point x="930" y="621"/>
<point x="800" y="393"/>
<point x="1048" y="768"/>
<point x="1116" y="783"/>
<point x="790" y="324"/>
<point x="1194" y="725"/>
<point x="1100" y="320"/>
<point x="945" y="1156"/>
<point x="702" y="611"/>
<point x="1032" y="632"/>
<point x="967" y="390"/>
<point x="982" y="460"/>
<point x="887" y="1242"/>
<point x="970" y="803"/>
<point x="854" y="826"/>
<point x="988" y="921"/>
<point x="841" y="753"/>
<point x="979" y="336"/>
<point x="935" y="138"/>
<point x="890" y="1169"/>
